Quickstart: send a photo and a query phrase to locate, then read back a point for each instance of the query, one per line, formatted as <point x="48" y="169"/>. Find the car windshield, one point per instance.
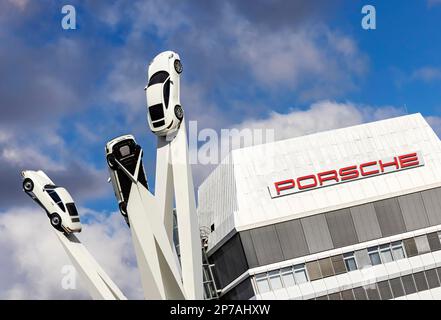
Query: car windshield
<point x="72" y="209"/>
<point x="158" y="77"/>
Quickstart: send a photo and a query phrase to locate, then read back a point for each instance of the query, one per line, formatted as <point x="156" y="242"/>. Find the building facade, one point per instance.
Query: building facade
<point x="353" y="213"/>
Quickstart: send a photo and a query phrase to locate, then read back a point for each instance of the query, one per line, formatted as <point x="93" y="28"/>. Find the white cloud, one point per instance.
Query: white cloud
<point x="320" y="116"/>
<point x="33" y="257"/>
<point x="426" y="74"/>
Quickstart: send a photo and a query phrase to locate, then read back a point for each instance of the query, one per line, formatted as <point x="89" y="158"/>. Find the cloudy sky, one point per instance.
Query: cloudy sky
<point x="293" y="66"/>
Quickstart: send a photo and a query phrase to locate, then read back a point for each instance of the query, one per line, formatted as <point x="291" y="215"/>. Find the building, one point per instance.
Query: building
<point x="353" y="213"/>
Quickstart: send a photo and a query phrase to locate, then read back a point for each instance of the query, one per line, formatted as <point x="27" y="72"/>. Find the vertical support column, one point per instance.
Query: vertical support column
<point x="188" y="227"/>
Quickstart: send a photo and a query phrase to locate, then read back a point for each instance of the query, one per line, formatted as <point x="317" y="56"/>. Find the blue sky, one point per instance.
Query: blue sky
<point x="268" y="64"/>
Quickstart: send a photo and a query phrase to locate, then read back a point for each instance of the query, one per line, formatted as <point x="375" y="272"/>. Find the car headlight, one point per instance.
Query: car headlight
<point x="178" y="66"/>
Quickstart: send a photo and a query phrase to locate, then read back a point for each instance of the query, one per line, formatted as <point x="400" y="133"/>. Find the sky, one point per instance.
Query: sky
<point x="295" y="67"/>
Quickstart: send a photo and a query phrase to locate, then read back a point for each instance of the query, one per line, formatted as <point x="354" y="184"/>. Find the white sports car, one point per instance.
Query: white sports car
<point x="128" y="153"/>
<point x="165" y="112"/>
<point x="56" y="201"/>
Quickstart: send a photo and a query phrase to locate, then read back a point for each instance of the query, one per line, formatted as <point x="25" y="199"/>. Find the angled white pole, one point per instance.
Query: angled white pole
<point x="188" y="227"/>
<point x="97" y="282"/>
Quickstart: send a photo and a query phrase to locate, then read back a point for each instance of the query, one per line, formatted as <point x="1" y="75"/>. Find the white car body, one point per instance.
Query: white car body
<point x="128" y="153"/>
<point x="164" y="108"/>
<point x="55" y="200"/>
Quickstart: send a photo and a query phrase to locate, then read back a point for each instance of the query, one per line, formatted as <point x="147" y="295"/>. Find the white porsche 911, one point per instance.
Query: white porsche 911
<point x="56" y="201"/>
<point x="165" y="112"/>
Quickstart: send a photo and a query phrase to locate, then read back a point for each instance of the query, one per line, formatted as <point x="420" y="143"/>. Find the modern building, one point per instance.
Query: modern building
<point x="353" y="213"/>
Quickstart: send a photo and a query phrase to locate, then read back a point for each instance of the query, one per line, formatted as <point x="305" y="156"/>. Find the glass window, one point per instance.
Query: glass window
<point x="385" y="292"/>
<point x="408" y="284"/>
<point x="326" y="267"/>
<point x="374" y="255"/>
<point x="335" y="296"/>
<point x="300" y="274"/>
<point x="432" y="278"/>
<point x="158" y="77"/>
<point x="422" y="244"/>
<point x="372" y="292"/>
<point x="347" y="295"/>
<point x="410" y="246"/>
<point x="275" y="281"/>
<point x="360" y="293"/>
<point x="288" y="277"/>
<point x="350" y="262"/>
<point x="338" y="264"/>
<point x="398" y="250"/>
<point x="54" y="196"/>
<point x="386" y="253"/>
<point x="313" y="270"/>
<point x="434" y="242"/>
<point x="397" y="287"/>
<point x="322" y="298"/>
<point x="420" y="281"/>
<point x="262" y="283"/>
<point x="166" y="91"/>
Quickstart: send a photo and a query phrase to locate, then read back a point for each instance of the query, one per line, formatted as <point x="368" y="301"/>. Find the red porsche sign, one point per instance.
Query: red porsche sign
<point x="345" y="174"/>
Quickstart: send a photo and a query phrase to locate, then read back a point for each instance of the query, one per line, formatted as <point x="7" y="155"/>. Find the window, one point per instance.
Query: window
<point x="156" y="112"/>
<point x="262" y="283"/>
<point x="408" y="284"/>
<point x="300" y="273"/>
<point x="397" y="287"/>
<point x="360" y="293"/>
<point x="432" y="278"/>
<point x="56" y="199"/>
<point x="410" y="246"/>
<point x="338" y="264"/>
<point x="386" y="253"/>
<point x="347" y="295"/>
<point x="166" y="91"/>
<point x="384" y="289"/>
<point x="335" y="296"/>
<point x="420" y="281"/>
<point x="374" y="255"/>
<point x="398" y="250"/>
<point x="326" y="267"/>
<point x="422" y="244"/>
<point x="158" y="77"/>
<point x="288" y="277"/>
<point x="72" y="209"/>
<point x="350" y="262"/>
<point x="434" y="241"/>
<point x="313" y="270"/>
<point x="275" y="280"/>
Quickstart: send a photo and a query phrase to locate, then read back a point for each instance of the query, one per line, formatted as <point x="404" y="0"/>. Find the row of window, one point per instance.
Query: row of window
<point x="347" y="262"/>
<point x="392" y="288"/>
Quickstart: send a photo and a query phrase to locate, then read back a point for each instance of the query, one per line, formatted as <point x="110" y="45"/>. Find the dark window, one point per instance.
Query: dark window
<point x="397" y="287"/>
<point x="432" y="278"/>
<point x="72" y="209"/>
<point x="54" y="196"/>
<point x="156" y="112"/>
<point x="322" y="298"/>
<point x="313" y="270"/>
<point x="158" y="124"/>
<point x="75" y="219"/>
<point x="409" y="284"/>
<point x="326" y="267"/>
<point x="338" y="264"/>
<point x="410" y="246"/>
<point x="347" y="295"/>
<point x="385" y="292"/>
<point x="434" y="243"/>
<point x="420" y="280"/>
<point x="158" y="77"/>
<point x="166" y="91"/>
<point x="372" y="292"/>
<point x="360" y="294"/>
<point x="335" y="296"/>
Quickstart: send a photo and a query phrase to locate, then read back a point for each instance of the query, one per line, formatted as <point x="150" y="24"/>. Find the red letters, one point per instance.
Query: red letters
<point x="388" y="164"/>
<point x="284" y="185"/>
<point x="368" y="164"/>
<point x="348" y="173"/>
<point x="327" y="176"/>
<point x="409" y="160"/>
<point x="307" y="186"/>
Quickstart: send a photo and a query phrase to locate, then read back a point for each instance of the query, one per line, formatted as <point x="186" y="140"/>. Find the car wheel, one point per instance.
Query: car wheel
<point x="28" y="185"/>
<point x="56" y="221"/>
<point x="179" y="113"/>
<point x="178" y="66"/>
<point x="111" y="161"/>
<point x="123" y="208"/>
